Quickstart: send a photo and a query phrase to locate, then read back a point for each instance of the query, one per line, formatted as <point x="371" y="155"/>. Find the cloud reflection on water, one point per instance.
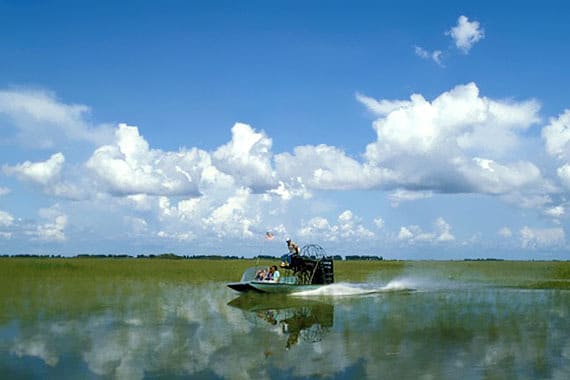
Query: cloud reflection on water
<point x="172" y="330"/>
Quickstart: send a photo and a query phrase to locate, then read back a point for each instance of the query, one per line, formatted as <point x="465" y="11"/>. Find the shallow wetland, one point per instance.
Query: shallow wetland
<point x="143" y="318"/>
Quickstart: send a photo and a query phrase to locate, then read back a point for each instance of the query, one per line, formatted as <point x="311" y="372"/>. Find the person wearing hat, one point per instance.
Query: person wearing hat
<point x="293" y="250"/>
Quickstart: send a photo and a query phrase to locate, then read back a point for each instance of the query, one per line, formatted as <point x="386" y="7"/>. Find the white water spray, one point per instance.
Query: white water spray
<point x="356" y="289"/>
<point x="401" y="284"/>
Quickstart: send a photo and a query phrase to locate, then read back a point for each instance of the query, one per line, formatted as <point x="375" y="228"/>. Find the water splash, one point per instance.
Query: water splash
<point x="357" y="289"/>
<point x="401" y="284"/>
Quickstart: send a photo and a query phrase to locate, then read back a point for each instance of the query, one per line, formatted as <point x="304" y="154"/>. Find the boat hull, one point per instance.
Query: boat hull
<point x="270" y="287"/>
<point x="242" y="287"/>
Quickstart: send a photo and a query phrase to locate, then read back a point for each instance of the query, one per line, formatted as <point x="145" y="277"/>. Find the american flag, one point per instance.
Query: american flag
<point x="268" y="236"/>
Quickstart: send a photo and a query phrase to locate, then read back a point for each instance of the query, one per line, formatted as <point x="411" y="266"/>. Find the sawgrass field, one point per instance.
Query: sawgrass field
<point x="174" y="318"/>
<point x="524" y="274"/>
<point x="66" y="287"/>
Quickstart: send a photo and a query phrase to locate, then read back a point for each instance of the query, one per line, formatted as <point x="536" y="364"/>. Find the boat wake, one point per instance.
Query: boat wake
<point x="356" y="289"/>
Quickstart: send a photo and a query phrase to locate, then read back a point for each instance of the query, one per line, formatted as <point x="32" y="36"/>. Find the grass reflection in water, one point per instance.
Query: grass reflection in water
<point x="142" y="319"/>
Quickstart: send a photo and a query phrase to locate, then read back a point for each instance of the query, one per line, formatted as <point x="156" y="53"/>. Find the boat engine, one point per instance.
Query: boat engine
<point x="313" y="266"/>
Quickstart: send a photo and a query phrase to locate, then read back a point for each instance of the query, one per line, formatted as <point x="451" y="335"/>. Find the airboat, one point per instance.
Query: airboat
<point x="309" y="270"/>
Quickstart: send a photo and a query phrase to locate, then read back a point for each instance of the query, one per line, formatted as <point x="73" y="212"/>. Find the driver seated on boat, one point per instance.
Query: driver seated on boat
<point x="273" y="275"/>
<point x="293" y="250"/>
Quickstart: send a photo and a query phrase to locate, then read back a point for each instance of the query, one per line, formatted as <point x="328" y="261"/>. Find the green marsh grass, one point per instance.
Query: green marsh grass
<point x="68" y="287"/>
<point x="530" y="274"/>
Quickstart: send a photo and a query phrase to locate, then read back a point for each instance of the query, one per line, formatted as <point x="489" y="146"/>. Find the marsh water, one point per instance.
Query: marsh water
<point x="403" y="328"/>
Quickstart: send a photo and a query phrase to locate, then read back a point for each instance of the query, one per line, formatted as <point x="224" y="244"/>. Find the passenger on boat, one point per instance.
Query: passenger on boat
<point x="273" y="274"/>
<point x="293" y="250"/>
<point x="260" y="274"/>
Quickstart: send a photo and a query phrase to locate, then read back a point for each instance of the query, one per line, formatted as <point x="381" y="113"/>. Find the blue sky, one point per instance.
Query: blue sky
<point x="405" y="129"/>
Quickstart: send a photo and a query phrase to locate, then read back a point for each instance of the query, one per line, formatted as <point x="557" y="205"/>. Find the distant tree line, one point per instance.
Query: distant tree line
<point x="487" y="259"/>
<point x="364" y="257"/>
<point x="173" y="256"/>
<point x="169" y="256"/>
<point x="265" y="257"/>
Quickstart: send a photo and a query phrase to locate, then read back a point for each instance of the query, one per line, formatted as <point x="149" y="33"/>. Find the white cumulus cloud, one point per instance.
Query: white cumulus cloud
<point x="564" y="174"/>
<point x="6" y="219"/>
<point x="541" y="237"/>
<point x="505" y="232"/>
<point x="129" y="166"/>
<point x="405" y="233"/>
<point x="455" y="121"/>
<point x="43" y="172"/>
<point x="247" y="158"/>
<point x="348" y="227"/>
<point x="443" y="230"/>
<point x="453" y="143"/>
<point x="466" y="33"/>
<point x="557" y="136"/>
<point x="233" y="218"/>
<point x="41" y="120"/>
<point x="381" y="107"/>
<point x="415" y="234"/>
<point x="401" y="195"/>
<point x="457" y="142"/>
<point x="326" y="167"/>
<point x="556" y="211"/>
<point x="53" y="230"/>
<point x="435" y="55"/>
<point x="50" y="176"/>
<point x="379" y="222"/>
<point x="293" y="188"/>
<point x="494" y="178"/>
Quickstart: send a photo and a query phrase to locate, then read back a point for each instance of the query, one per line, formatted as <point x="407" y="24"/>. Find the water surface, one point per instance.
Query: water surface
<point x="143" y="330"/>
